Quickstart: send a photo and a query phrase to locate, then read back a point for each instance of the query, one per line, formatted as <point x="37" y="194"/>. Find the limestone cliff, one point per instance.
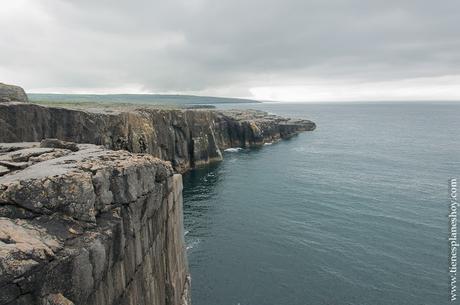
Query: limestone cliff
<point x="185" y="137"/>
<point x="89" y="226"/>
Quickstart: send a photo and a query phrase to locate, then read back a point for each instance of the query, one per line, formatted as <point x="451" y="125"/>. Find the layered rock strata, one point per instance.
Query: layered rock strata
<point x="187" y="138"/>
<point x="89" y="226"/>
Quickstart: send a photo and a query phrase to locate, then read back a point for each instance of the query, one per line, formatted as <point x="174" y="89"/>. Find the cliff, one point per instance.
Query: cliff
<point x="187" y="138"/>
<point x="85" y="225"/>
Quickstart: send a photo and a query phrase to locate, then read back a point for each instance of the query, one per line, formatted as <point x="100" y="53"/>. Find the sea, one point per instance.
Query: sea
<point x="353" y="213"/>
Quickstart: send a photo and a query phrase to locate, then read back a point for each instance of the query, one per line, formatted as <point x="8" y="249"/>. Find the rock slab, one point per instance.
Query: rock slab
<point x="91" y="226"/>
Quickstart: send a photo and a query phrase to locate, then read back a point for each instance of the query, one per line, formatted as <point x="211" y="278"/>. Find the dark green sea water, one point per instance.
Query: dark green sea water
<point x="352" y="213"/>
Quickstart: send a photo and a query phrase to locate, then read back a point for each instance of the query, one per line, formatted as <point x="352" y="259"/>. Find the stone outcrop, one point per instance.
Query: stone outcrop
<point x="247" y="128"/>
<point x="89" y="226"/>
<point x="187" y="138"/>
<point x="10" y="93"/>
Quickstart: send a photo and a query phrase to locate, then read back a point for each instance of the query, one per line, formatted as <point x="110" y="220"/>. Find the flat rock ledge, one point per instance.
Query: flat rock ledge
<point x="80" y="224"/>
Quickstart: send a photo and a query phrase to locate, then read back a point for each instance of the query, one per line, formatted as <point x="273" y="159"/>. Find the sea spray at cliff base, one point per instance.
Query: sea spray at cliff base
<point x="233" y="149"/>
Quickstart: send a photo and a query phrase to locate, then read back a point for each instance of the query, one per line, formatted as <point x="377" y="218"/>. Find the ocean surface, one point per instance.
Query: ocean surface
<point x="352" y="213"/>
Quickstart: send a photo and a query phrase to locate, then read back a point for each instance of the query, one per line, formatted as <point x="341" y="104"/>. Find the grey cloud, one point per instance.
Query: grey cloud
<point x="199" y="45"/>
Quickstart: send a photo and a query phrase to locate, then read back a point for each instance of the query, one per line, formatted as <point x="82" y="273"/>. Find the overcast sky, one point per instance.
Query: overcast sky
<point x="293" y="50"/>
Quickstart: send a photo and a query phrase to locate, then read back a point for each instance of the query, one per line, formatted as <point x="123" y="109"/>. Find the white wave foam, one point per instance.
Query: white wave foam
<point x="233" y="149"/>
<point x="192" y="244"/>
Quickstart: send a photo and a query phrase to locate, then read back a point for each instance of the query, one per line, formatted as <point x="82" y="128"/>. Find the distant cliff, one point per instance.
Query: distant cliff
<point x="187" y="138"/>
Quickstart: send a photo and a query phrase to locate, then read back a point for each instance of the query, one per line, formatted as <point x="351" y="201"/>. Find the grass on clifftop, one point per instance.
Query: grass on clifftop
<point x="114" y="105"/>
<point x="128" y="100"/>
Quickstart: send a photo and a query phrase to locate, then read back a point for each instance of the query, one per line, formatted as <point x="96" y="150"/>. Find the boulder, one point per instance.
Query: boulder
<point x="11" y="93"/>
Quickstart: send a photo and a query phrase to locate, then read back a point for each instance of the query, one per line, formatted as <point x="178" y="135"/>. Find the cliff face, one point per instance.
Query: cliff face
<point x="247" y="128"/>
<point x="91" y="226"/>
<point x="185" y="137"/>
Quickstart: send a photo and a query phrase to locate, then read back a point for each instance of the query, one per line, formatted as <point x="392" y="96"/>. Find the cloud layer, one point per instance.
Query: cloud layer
<point x="286" y="50"/>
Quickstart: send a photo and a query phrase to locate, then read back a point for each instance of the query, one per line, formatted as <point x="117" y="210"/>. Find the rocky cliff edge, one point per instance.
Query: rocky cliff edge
<point x="80" y="224"/>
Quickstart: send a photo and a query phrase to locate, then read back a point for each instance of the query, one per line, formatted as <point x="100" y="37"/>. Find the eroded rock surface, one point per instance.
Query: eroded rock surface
<point x="91" y="226"/>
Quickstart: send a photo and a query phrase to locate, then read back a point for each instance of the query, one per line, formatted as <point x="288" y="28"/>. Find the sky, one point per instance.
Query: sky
<point x="281" y="50"/>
